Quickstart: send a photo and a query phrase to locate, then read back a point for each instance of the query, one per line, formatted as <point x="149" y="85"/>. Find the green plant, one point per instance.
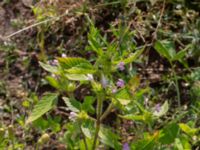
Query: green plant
<point x="104" y="74"/>
<point x="166" y="49"/>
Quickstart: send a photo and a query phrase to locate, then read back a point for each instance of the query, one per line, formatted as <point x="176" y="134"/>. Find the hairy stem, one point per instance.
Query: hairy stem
<point x="105" y="114"/>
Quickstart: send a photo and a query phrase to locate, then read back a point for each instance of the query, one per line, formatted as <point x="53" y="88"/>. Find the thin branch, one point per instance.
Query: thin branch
<point x="159" y="22"/>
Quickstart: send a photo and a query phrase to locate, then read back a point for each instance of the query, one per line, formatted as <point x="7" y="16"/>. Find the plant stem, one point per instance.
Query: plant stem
<point x="176" y="86"/>
<point x="104" y="115"/>
<point x="98" y="122"/>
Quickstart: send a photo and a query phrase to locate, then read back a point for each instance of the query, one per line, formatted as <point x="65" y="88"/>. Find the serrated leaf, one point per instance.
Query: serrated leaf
<point x="44" y="105"/>
<point x="109" y="138"/>
<point x="49" y="68"/>
<point x="69" y="62"/>
<point x="72" y="104"/>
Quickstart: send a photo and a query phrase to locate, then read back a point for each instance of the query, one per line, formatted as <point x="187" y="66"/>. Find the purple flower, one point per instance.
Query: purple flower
<point x="121" y="66"/>
<point x="120" y="83"/>
<point x="73" y="116"/>
<point x="126" y="146"/>
<point x="158" y="107"/>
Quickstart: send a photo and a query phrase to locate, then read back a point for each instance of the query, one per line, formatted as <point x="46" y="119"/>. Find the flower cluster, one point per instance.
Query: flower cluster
<point x="120" y="83"/>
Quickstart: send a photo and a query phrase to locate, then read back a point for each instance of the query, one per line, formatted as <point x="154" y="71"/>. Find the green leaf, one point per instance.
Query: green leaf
<point x="88" y="128"/>
<point x="87" y="104"/>
<point x="109" y="138"/>
<point x="185" y="142"/>
<point x="146" y="117"/>
<point x="148" y="143"/>
<point x="72" y="104"/>
<point x="77" y="77"/>
<point x="89" y="144"/>
<point x="180" y="55"/>
<point x="178" y="144"/>
<point x="131" y="58"/>
<point x="163" y="110"/>
<point x="69" y="62"/>
<point x="76" y="70"/>
<point x="188" y="130"/>
<point x="123" y="96"/>
<point x="134" y="117"/>
<point x="165" y="49"/>
<point x="53" y="82"/>
<point x="170" y="132"/>
<point x="43" y="106"/>
<point x="49" y="68"/>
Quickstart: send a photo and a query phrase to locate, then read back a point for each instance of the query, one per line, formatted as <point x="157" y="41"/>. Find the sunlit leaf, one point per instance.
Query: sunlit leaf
<point x="53" y="82"/>
<point x="70" y="62"/>
<point x="188" y="130"/>
<point x="43" y="106"/>
<point x="77" y="77"/>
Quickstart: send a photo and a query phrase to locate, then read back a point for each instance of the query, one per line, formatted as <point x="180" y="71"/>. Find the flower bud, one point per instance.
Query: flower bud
<point x="43" y="139"/>
<point x="71" y="87"/>
<point x="83" y="115"/>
